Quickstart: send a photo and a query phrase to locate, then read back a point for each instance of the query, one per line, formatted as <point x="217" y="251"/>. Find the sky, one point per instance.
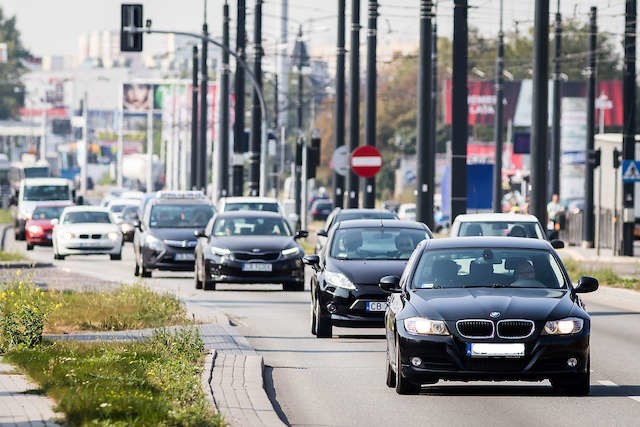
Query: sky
<point x="52" y="27"/>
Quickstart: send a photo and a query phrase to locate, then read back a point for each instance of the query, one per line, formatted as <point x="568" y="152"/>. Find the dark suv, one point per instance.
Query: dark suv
<point x="164" y="239"/>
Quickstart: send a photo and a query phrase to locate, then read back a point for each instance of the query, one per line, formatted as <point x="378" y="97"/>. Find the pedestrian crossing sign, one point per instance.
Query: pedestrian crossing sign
<point x="630" y="171"/>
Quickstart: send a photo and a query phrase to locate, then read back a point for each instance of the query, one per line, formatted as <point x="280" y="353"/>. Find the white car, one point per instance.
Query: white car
<point x="498" y="224"/>
<point x="86" y="230"/>
<point x="407" y="212"/>
<point x="268" y="204"/>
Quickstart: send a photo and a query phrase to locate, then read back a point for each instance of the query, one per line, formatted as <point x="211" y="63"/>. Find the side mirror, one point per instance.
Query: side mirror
<point x="199" y="233"/>
<point x="55" y="222"/>
<point x="322" y="233"/>
<point x="312" y="260"/>
<point x="13" y="200"/>
<point x="137" y="224"/>
<point x="586" y="284"/>
<point x="557" y="244"/>
<point x="390" y="284"/>
<point x="80" y="200"/>
<point x="301" y="234"/>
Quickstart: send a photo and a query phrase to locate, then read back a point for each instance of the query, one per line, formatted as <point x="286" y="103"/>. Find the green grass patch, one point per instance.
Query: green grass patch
<point x="5" y="216"/>
<point x="605" y="276"/>
<point x="149" y="383"/>
<point x="12" y="256"/>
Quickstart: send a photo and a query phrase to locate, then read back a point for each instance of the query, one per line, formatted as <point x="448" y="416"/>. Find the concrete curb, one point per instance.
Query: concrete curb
<point x="205" y="381"/>
<point x="24" y="264"/>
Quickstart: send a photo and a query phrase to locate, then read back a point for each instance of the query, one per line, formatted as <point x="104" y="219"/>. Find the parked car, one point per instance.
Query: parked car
<point x="86" y="230"/>
<point x="249" y="247"/>
<point x="39" y="228"/>
<point x="320" y="209"/>
<point x="486" y="308"/>
<point x="344" y="282"/>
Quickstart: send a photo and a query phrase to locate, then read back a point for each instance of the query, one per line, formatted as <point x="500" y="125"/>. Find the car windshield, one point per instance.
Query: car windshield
<point x="36" y="172"/>
<point x="180" y="216"/>
<point x="251" y="226"/>
<point x="81" y="217"/>
<point x="488" y="267"/>
<point x="501" y="228"/>
<point x="347" y="216"/>
<point x="130" y="212"/>
<point x="47" y="212"/>
<point x="376" y="243"/>
<point x="46" y="192"/>
<point x="251" y="206"/>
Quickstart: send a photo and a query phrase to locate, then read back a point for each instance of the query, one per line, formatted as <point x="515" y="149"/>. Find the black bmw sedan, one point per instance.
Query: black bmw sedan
<point x="484" y="308"/>
<point x="358" y="253"/>
<point x="249" y="247"/>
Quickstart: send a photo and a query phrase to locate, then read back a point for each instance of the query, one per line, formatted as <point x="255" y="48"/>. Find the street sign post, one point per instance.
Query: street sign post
<point x="340" y="160"/>
<point x="366" y="161"/>
<point x="630" y="171"/>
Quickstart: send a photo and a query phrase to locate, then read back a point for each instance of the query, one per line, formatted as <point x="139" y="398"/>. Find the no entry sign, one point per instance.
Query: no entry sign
<point x="366" y="161"/>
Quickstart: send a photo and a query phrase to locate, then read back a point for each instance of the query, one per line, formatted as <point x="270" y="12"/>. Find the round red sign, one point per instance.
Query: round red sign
<point x="366" y="161"/>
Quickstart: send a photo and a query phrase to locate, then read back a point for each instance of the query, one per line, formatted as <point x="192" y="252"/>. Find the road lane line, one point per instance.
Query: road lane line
<point x="612" y="384"/>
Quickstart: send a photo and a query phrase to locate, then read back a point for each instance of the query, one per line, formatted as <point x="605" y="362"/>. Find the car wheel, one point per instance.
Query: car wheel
<point x="58" y="256"/>
<point x="208" y="284"/>
<point x="293" y="286"/>
<point x="29" y="247"/>
<point x="391" y="375"/>
<point x="115" y="257"/>
<point x="403" y="384"/>
<point x="196" y="278"/>
<point x="324" y="328"/>
<point x="144" y="272"/>
<point x="136" y="270"/>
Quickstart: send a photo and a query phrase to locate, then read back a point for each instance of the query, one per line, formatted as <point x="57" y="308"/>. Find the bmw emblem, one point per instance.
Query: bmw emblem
<point x="255" y="250"/>
<point x="494" y="314"/>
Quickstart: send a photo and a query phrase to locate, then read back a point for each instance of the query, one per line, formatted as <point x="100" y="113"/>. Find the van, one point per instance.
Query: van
<point x="36" y="191"/>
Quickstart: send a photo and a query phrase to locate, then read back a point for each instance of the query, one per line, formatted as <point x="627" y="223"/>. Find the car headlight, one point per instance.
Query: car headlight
<point x="113" y="235"/>
<point x="567" y="326"/>
<point x="424" y="326"/>
<point x="338" y="280"/>
<point x="154" y="243"/>
<point x="291" y="251"/>
<point x="68" y="236"/>
<point x="35" y="229"/>
<point x="219" y="251"/>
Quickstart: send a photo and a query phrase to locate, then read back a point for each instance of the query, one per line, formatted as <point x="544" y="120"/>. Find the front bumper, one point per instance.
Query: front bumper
<point x="228" y="270"/>
<point x="445" y="357"/>
<point x="348" y="308"/>
<point x="169" y="259"/>
<point x="89" y="246"/>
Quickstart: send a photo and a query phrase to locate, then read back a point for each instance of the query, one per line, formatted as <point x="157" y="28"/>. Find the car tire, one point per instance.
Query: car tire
<point x="391" y="375"/>
<point x="404" y="385"/>
<point x="209" y="285"/>
<point x="314" y="330"/>
<point x="196" y="278"/>
<point x="293" y="286"/>
<point x="115" y="257"/>
<point x="324" y="328"/>
<point x="58" y="256"/>
<point x="144" y="272"/>
<point x="29" y="247"/>
<point x="136" y="270"/>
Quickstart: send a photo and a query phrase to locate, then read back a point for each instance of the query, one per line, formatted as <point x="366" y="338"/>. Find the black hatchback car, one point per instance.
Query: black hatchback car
<point x="249" y="247"/>
<point x="164" y="239"/>
<point x="485" y="308"/>
<point x="346" y="273"/>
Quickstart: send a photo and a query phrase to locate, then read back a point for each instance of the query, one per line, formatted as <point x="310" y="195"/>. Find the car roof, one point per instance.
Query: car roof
<point x="496" y="217"/>
<point x="488" y="242"/>
<point x="46" y="181"/>
<point x="249" y="214"/>
<point x="385" y="223"/>
<point x="54" y="205"/>
<point x="248" y="200"/>
<point x="85" y="208"/>
<point x="156" y="201"/>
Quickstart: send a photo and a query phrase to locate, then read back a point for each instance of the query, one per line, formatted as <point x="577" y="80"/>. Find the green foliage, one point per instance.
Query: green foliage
<point x="605" y="276"/>
<point x="155" y="382"/>
<point x="12" y="256"/>
<point x="106" y="179"/>
<point x="5" y="216"/>
<point x="11" y="89"/>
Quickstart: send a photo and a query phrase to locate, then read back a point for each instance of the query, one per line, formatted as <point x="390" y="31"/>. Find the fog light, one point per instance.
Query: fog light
<point x="416" y="361"/>
<point x="572" y="362"/>
<point x="331" y="307"/>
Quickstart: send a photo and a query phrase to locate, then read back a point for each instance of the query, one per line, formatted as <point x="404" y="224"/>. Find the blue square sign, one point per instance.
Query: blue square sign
<point x="630" y="171"/>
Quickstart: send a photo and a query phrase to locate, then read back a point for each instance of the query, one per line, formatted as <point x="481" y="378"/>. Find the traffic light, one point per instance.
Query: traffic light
<point x="594" y="157"/>
<point x="315" y="146"/>
<point x="311" y="161"/>
<point x="130" y="17"/>
<point x="616" y="158"/>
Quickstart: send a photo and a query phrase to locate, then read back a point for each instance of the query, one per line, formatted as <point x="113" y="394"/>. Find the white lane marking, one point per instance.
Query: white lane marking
<point x="612" y="384"/>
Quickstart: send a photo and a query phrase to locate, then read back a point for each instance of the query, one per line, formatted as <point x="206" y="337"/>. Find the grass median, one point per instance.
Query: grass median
<point x="12" y="256"/>
<point x="605" y="276"/>
<point x="152" y="382"/>
<point x="5" y="216"/>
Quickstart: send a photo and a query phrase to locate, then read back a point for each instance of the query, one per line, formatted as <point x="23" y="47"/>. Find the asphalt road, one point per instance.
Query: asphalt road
<point x="340" y="381"/>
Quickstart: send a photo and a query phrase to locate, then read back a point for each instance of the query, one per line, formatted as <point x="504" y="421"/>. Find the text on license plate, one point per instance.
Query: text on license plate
<point x="184" y="257"/>
<point x="495" y="350"/>
<point x="376" y="306"/>
<point x="254" y="266"/>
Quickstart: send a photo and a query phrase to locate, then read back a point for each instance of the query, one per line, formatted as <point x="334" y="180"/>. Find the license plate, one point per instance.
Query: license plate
<point x="376" y="306"/>
<point x="495" y="350"/>
<point x="256" y="267"/>
<point x="184" y="257"/>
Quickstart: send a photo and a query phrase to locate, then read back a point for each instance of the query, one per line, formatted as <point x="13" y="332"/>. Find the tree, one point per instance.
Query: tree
<point x="11" y="88"/>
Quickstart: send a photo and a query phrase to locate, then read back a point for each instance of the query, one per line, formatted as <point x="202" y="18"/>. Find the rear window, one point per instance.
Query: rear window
<point x="347" y="216"/>
<point x="501" y="228"/>
<point x="252" y="206"/>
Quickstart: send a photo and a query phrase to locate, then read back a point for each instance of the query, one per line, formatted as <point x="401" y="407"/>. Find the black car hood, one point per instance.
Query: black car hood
<point x="173" y="233"/>
<point x="477" y="303"/>
<point x="367" y="272"/>
<point x="248" y="243"/>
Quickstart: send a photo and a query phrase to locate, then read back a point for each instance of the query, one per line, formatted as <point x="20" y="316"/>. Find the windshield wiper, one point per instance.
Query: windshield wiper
<point x="493" y="285"/>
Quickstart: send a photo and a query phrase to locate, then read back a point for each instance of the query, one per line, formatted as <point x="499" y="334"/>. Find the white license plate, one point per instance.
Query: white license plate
<point x="256" y="267"/>
<point x="495" y="350"/>
<point x="376" y="306"/>
<point x="184" y="257"/>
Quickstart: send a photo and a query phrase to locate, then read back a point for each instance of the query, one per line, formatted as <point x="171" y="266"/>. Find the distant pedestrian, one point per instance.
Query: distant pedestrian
<point x="553" y="207"/>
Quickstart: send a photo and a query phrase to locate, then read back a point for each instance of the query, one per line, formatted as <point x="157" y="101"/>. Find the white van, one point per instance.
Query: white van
<point x="35" y="191"/>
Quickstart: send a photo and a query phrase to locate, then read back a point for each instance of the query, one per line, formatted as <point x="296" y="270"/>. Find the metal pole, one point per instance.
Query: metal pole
<point x="354" y="101"/>
<point x="149" y="169"/>
<point x="85" y="144"/>
<point x="223" y="164"/>
<point x="194" y="120"/>
<point x="338" y="180"/>
<point x="303" y="195"/>
<point x="557" y="68"/>
<point x="43" y="138"/>
<point x="238" y="128"/>
<point x="254" y="146"/>
<point x="425" y="150"/>
<point x="300" y="142"/>
<point x="459" y="122"/>
<point x="283" y="72"/>
<point x="539" y="122"/>
<point x="499" y="121"/>
<point x="120" y="146"/>
<point x="370" y="98"/>
<point x="434" y="105"/>
<point x="204" y="109"/>
<point x="588" y="226"/>
<point x="629" y="133"/>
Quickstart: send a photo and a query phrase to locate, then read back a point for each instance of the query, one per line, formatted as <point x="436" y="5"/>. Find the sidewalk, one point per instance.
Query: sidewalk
<point x="624" y="266"/>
